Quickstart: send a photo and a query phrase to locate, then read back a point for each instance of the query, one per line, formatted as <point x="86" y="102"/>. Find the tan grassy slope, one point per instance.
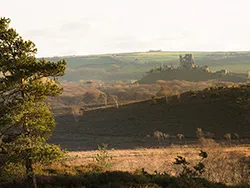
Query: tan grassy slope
<point x="219" y="111"/>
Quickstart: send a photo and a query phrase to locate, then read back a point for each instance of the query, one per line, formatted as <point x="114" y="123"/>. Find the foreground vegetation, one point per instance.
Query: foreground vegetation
<point x="121" y="179"/>
<point x="223" y="167"/>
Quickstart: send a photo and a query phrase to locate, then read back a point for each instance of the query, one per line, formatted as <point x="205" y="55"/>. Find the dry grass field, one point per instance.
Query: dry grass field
<point x="160" y="159"/>
<point x="224" y="164"/>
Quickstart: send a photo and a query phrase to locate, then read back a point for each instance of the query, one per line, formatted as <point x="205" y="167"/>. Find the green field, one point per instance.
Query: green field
<point x="128" y="66"/>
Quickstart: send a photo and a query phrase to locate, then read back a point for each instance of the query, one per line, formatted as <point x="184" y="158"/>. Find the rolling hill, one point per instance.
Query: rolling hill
<point x="218" y="110"/>
<point x="130" y="66"/>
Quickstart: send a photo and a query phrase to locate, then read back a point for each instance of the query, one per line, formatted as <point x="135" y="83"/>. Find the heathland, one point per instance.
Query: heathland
<point x="216" y="110"/>
<point x="121" y="133"/>
<point x="146" y="126"/>
<point x="148" y="119"/>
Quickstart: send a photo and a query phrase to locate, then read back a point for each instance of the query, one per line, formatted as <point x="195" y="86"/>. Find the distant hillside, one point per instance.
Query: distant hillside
<point x="130" y="66"/>
<point x="215" y="110"/>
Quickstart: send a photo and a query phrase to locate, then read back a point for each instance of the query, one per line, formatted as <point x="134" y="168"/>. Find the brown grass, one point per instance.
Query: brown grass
<point x="160" y="159"/>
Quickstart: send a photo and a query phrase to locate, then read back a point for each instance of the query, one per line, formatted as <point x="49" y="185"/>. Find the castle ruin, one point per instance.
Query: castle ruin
<point x="187" y="61"/>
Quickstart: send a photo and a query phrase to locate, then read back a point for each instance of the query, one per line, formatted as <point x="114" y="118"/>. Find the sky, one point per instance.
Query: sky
<point x="83" y="27"/>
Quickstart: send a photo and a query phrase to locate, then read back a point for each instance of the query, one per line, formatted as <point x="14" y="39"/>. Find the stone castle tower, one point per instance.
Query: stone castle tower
<point x="187" y="61"/>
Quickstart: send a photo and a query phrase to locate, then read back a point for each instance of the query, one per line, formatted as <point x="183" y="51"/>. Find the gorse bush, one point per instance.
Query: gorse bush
<point x="193" y="171"/>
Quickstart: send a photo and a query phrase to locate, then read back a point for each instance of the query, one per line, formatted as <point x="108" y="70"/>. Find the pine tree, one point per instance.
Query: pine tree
<point x="26" y="122"/>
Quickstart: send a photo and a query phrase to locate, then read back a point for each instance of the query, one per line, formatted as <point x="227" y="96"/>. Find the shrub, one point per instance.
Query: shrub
<point x="191" y="172"/>
<point x="103" y="159"/>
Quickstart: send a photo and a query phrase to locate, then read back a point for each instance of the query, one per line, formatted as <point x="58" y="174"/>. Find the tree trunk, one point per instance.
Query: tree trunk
<point x="31" y="179"/>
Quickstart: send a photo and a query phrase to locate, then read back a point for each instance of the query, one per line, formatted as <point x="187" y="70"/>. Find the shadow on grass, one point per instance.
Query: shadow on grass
<point x="118" y="179"/>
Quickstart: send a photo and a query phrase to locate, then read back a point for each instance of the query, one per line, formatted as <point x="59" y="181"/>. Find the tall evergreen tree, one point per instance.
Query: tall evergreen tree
<point x="26" y="122"/>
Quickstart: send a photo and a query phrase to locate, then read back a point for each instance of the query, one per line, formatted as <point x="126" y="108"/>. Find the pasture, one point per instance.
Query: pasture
<point x="128" y="66"/>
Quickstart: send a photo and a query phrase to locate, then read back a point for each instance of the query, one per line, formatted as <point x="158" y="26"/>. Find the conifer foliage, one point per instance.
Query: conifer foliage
<point x="26" y="122"/>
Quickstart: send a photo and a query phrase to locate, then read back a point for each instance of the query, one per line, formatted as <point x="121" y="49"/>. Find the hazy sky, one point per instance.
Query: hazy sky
<point x="80" y="27"/>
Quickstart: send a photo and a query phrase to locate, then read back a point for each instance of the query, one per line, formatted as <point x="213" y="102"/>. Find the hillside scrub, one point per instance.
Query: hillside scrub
<point x="93" y="92"/>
